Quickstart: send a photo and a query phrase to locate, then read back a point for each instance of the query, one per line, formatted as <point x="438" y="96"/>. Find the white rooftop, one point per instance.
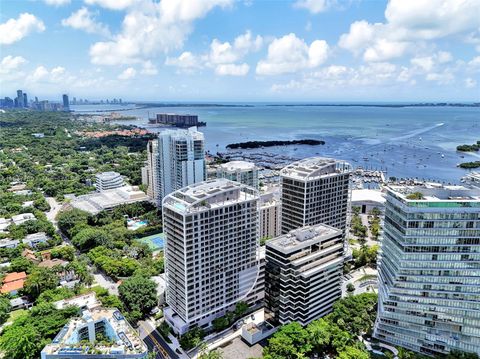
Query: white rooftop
<point x="364" y="195"/>
<point x="303" y="237"/>
<point x="436" y="192"/>
<point x="208" y="194"/>
<point x="234" y="166"/>
<point x="107" y="176"/>
<point x="183" y="133"/>
<point x="99" y="201"/>
<point x="314" y="168"/>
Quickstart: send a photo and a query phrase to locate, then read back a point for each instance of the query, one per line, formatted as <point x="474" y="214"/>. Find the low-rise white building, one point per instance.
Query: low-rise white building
<point x="96" y="202"/>
<point x="367" y="199"/>
<point x="34" y="239"/>
<point x="108" y="180"/>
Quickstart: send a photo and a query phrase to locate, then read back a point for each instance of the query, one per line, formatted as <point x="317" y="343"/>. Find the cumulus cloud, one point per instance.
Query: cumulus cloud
<point x="290" y="54"/>
<point x="470" y="83"/>
<point x="127" y="74"/>
<point x="232" y="69"/>
<point x="11" y="63"/>
<point x="314" y="6"/>
<point x="186" y="61"/>
<point x="57" y="2"/>
<point x="406" y="24"/>
<point x="113" y="4"/>
<point x="151" y="28"/>
<point x="222" y="57"/>
<point x="16" y="29"/>
<point x="85" y="20"/>
<point x="339" y="76"/>
<point x="56" y="75"/>
<point x="149" y="69"/>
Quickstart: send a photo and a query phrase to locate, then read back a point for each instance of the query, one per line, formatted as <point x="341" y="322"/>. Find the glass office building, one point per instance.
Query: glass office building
<point x="429" y="269"/>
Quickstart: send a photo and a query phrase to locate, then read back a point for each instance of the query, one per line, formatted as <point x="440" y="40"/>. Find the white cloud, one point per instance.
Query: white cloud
<point x="408" y="24"/>
<point x="149" y="69"/>
<point x="112" y="4"/>
<point x="433" y="19"/>
<point x="360" y="34"/>
<point x="150" y="29"/>
<point x="10" y="63"/>
<point x="474" y="63"/>
<point x="314" y="6"/>
<point x="57" y="2"/>
<point x="54" y="76"/>
<point x="223" y="57"/>
<point x="425" y="63"/>
<point x="186" y="61"/>
<point x="442" y="78"/>
<point x="83" y="19"/>
<point x="232" y="69"/>
<point x="127" y="74"/>
<point x="16" y="29"/>
<point x="470" y="83"/>
<point x="443" y="57"/>
<point x="290" y="54"/>
<point x="224" y="52"/>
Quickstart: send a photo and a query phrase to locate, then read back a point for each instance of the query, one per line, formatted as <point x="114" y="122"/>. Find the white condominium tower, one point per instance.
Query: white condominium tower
<point x="303" y="274"/>
<point x="270" y="214"/>
<point x="429" y="269"/>
<point x="176" y="159"/>
<point x="211" y="257"/>
<point x="315" y="190"/>
<point x="239" y="171"/>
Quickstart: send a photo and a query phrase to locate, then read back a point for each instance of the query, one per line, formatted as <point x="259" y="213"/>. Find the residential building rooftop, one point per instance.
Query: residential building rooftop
<point x="121" y="339"/>
<point x="13" y="282"/>
<point x="233" y="166"/>
<point x="208" y="194"/>
<point x="314" y="167"/>
<point x="302" y="237"/>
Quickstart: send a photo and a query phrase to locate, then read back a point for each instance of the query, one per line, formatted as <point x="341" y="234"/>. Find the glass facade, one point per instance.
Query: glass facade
<point x="429" y="273"/>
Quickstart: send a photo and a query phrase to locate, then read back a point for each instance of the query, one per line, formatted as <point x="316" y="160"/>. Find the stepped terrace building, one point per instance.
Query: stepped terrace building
<point x="303" y="274"/>
<point x="211" y="251"/>
<point x="99" y="334"/>
<point x="315" y="190"/>
<point x="108" y="180"/>
<point x="429" y="269"/>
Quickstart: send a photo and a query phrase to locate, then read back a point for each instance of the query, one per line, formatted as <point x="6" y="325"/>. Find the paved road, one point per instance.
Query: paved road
<point x="54" y="209"/>
<point x="155" y="341"/>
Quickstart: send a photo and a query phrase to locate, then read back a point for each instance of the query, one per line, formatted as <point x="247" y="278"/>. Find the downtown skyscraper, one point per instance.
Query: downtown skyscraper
<point x="429" y="269"/>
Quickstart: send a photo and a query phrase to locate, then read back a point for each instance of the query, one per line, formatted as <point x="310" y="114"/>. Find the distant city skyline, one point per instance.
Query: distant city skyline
<point x="225" y="50"/>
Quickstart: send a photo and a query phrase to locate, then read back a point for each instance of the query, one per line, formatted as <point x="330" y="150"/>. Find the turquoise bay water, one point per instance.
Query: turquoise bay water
<point x="406" y="142"/>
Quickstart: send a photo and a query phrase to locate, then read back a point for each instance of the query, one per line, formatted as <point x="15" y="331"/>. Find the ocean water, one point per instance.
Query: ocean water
<point x="413" y="142"/>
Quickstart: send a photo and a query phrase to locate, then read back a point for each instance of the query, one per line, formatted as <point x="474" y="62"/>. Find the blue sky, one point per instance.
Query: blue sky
<point x="226" y="50"/>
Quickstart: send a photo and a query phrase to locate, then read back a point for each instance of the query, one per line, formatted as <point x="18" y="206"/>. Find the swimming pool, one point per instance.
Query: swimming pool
<point x="133" y="225"/>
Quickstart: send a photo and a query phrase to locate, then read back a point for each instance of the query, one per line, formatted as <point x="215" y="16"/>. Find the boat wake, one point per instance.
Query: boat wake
<point x="415" y="133"/>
